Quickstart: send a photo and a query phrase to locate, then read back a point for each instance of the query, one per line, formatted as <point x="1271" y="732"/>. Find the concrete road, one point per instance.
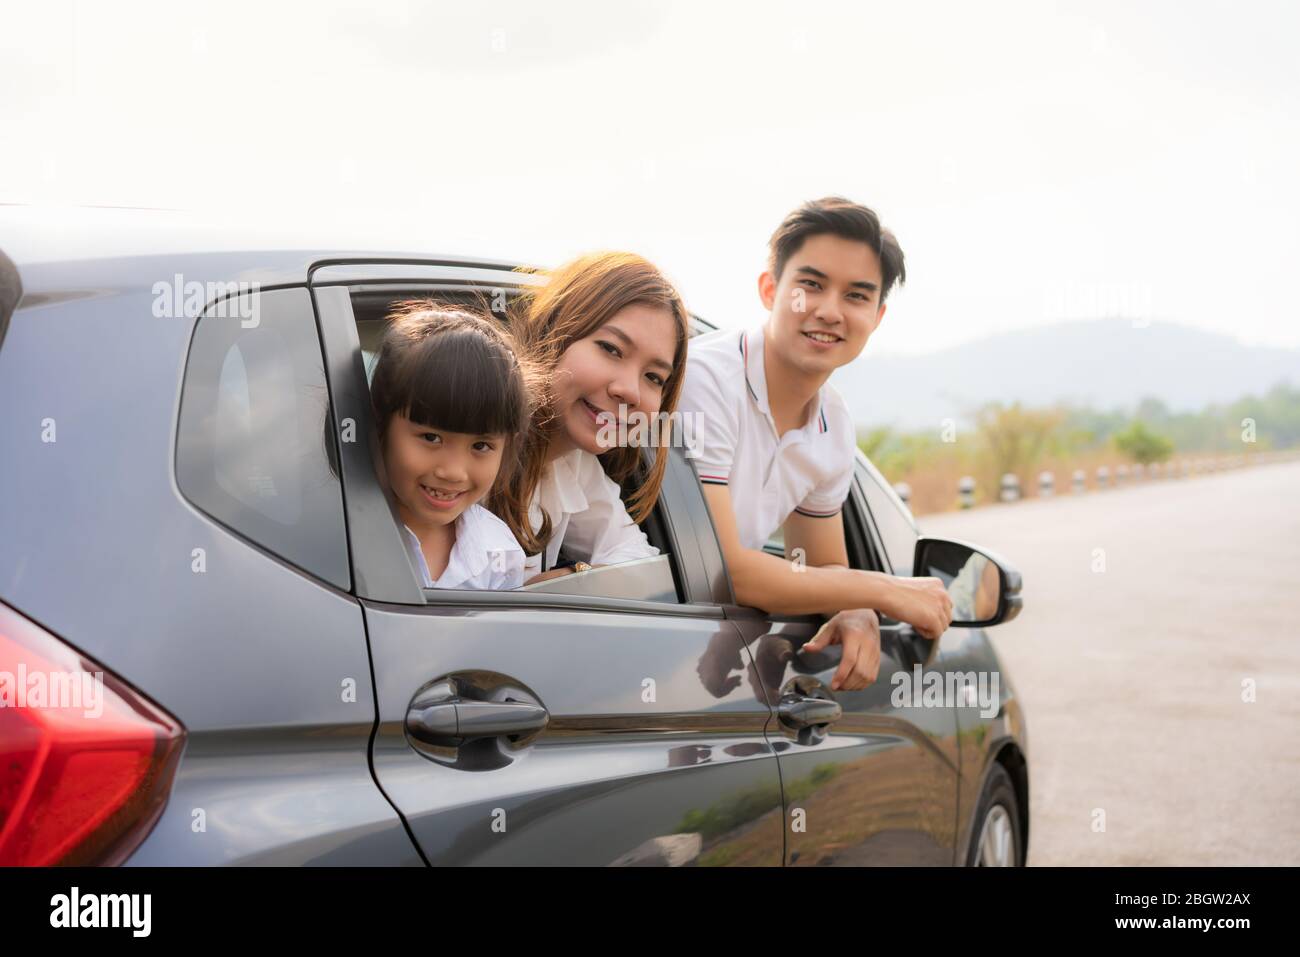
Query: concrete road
<point x="1150" y="612"/>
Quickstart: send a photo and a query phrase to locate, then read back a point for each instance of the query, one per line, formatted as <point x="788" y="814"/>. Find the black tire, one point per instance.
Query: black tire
<point x="999" y="811"/>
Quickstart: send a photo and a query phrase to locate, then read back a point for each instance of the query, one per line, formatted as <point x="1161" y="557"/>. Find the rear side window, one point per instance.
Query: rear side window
<point x="255" y="443"/>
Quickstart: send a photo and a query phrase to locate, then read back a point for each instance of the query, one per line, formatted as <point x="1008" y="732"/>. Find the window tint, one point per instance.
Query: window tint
<point x="892" y="519"/>
<point x="255" y="443"/>
<point x="370" y="334"/>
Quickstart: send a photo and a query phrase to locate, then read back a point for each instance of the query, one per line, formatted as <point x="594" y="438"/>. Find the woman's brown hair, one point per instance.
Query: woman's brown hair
<point x="577" y="299"/>
<point x="450" y="368"/>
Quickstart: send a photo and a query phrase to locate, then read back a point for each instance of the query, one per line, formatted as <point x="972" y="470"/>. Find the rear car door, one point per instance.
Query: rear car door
<point x="530" y="728"/>
<point x="878" y="786"/>
<point x="184" y="532"/>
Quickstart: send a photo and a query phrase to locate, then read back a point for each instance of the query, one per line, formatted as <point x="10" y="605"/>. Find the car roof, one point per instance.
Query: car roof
<point x="35" y="235"/>
<point x="62" y="247"/>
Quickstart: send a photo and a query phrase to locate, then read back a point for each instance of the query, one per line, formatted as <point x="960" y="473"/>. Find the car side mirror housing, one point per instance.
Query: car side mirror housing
<point x="984" y="587"/>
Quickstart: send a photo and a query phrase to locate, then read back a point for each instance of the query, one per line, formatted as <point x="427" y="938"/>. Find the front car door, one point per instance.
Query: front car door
<point x="878" y="786"/>
<point x="990" y="722"/>
<point x="528" y="728"/>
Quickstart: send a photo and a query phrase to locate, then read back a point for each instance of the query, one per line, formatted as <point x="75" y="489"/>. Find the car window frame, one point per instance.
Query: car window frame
<point x="181" y="443"/>
<point x="382" y="569"/>
<point x="874" y="475"/>
<point x="860" y="542"/>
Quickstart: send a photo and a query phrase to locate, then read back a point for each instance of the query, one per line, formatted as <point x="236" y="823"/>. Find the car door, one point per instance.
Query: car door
<point x="876" y="785"/>
<point x="965" y="654"/>
<point x="530" y="728"/>
<point x="597" y="743"/>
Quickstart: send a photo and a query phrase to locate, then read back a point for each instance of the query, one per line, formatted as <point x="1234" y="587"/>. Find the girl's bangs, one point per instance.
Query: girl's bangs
<point x="457" y="381"/>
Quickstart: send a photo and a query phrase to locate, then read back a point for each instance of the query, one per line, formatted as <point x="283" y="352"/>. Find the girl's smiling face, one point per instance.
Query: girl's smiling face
<point x="436" y="475"/>
<point x="619" y="372"/>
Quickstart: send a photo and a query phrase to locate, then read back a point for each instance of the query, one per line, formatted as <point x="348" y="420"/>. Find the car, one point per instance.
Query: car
<point x="196" y="540"/>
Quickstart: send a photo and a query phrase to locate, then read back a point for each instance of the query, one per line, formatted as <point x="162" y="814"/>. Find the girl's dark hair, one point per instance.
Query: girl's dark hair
<point x="451" y="368"/>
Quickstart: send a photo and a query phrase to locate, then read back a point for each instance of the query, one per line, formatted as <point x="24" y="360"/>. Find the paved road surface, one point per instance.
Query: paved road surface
<point x="1132" y="677"/>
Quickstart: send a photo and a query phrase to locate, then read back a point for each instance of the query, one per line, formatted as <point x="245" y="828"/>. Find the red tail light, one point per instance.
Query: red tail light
<point x="85" y="762"/>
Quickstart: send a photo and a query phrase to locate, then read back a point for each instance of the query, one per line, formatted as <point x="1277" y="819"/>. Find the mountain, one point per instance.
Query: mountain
<point x="1103" y="363"/>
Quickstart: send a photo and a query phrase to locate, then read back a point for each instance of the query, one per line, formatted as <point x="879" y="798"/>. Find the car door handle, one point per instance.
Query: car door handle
<point x="798" y="712"/>
<point x="452" y="723"/>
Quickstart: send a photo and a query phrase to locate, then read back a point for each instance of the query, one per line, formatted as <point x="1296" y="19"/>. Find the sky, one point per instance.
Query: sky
<point x="1038" y="161"/>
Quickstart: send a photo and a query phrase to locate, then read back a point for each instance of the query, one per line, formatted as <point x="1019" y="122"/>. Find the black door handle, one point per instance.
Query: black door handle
<point x="798" y="712"/>
<point x="442" y="718"/>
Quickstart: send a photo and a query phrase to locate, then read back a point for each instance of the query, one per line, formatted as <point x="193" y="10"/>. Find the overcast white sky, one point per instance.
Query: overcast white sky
<point x="1038" y="161"/>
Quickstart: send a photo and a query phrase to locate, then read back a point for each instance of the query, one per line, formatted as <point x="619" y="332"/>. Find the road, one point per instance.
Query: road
<point x="1132" y="675"/>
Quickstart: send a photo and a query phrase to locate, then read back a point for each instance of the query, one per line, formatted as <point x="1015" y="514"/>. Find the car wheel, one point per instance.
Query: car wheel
<point x="996" y="840"/>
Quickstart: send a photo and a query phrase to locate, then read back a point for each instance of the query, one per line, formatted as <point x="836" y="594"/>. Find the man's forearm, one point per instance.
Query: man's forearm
<point x="780" y="587"/>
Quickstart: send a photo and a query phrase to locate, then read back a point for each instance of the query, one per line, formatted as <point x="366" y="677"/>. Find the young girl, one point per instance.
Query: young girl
<point x="611" y="332"/>
<point x="452" y="402"/>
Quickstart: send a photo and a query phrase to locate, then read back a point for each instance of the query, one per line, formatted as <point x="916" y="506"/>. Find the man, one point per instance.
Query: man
<point x="776" y="443"/>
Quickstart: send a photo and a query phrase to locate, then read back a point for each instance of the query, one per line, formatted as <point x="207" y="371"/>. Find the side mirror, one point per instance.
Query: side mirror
<point x="984" y="588"/>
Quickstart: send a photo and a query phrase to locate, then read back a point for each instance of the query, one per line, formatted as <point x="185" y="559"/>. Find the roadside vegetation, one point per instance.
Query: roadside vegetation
<point x="998" y="439"/>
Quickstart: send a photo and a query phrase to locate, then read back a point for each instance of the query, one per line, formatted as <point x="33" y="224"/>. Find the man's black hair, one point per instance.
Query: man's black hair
<point x="837" y="216"/>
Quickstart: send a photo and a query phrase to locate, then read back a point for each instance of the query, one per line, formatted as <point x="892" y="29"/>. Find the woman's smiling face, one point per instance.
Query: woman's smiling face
<point x="619" y="370"/>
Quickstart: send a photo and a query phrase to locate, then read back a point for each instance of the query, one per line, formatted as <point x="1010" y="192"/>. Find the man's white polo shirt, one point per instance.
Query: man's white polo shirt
<point x="485" y="554"/>
<point x="809" y="469"/>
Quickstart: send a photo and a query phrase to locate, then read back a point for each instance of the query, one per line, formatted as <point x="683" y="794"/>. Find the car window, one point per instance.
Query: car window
<point x="893" y="521"/>
<point x="254" y="444"/>
<point x="645" y="580"/>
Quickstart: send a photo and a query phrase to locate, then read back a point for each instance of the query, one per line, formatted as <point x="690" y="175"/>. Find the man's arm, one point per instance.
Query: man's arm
<point x="772" y="584"/>
<point x="818" y="539"/>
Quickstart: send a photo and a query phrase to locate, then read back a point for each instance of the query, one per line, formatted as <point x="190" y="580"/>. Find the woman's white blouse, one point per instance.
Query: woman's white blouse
<point x="588" y="519"/>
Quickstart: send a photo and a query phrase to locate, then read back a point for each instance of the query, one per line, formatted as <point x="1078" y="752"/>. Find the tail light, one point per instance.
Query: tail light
<point x="86" y="763"/>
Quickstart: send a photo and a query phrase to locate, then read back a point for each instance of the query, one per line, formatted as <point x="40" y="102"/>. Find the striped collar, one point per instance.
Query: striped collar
<point x="750" y="344"/>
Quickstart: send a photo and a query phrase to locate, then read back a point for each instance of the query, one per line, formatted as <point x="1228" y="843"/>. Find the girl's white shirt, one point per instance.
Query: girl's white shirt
<point x="588" y="518"/>
<point x="485" y="554"/>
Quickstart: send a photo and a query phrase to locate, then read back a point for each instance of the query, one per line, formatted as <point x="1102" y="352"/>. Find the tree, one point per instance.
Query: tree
<point x="1014" y="438"/>
<point x="1142" y="445"/>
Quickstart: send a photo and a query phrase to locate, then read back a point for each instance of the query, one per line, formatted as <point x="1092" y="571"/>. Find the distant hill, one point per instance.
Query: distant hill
<point x="1104" y="363"/>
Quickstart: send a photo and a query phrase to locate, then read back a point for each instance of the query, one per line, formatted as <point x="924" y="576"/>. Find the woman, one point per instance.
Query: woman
<point x="612" y="331"/>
